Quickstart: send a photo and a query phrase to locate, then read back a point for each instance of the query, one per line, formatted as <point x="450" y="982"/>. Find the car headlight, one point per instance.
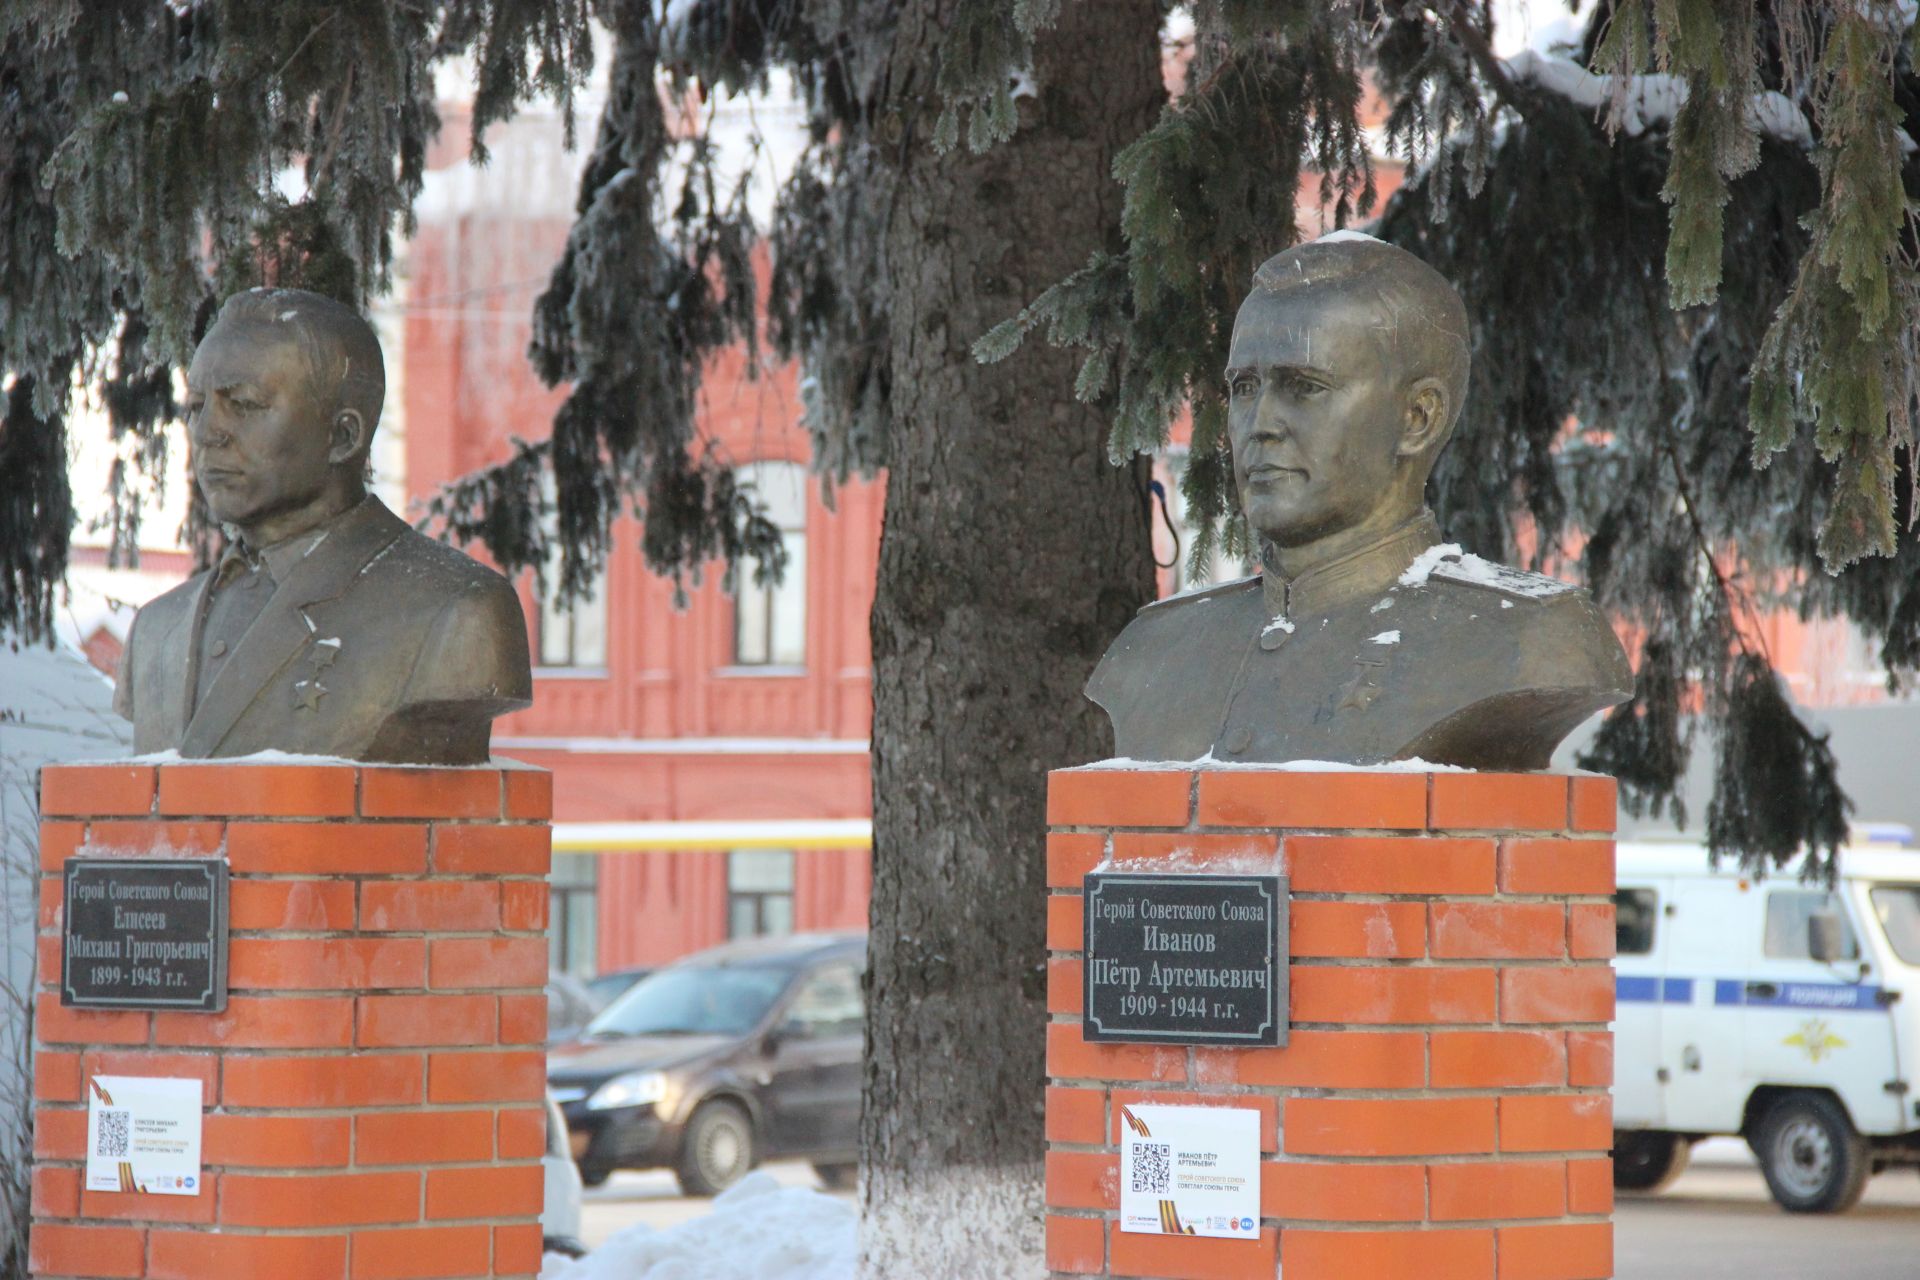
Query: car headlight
<point x="634" y="1089"/>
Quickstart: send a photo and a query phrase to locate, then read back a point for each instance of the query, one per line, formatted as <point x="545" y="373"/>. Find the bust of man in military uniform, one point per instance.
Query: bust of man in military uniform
<point x="329" y="626"/>
<point x="1360" y="640"/>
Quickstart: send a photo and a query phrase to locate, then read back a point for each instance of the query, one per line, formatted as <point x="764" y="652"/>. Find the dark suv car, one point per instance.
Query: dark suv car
<point x="723" y="1059"/>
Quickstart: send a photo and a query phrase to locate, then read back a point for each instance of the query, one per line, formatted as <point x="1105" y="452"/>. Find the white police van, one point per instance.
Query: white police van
<point x="1769" y="1009"/>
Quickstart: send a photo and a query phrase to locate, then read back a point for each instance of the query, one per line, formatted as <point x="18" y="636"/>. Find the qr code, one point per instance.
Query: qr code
<point x="1151" y="1173"/>
<point x="111" y="1137"/>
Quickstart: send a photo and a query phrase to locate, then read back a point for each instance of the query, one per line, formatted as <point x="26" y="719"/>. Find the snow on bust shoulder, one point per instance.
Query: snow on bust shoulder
<point x="1447" y="561"/>
<point x="758" y="1230"/>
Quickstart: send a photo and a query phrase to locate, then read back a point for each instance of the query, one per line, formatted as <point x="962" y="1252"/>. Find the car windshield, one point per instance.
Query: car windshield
<point x="1897" y="907"/>
<point x="696" y="1000"/>
<point x="608" y="986"/>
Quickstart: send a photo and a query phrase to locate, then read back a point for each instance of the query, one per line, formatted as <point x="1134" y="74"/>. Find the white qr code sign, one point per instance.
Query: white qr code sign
<point x="1190" y="1171"/>
<point x="143" y="1135"/>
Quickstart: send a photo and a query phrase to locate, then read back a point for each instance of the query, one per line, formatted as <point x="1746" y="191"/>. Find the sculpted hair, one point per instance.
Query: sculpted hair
<point x="341" y="350"/>
<point x="1421" y="313"/>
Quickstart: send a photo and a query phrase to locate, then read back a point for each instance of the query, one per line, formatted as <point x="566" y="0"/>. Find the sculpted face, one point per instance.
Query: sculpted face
<point x="1318" y="414"/>
<point x="262" y="440"/>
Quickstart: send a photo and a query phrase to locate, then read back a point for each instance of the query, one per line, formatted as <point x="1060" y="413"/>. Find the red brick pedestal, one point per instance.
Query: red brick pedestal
<point x="1440" y="1111"/>
<point x="374" y="1089"/>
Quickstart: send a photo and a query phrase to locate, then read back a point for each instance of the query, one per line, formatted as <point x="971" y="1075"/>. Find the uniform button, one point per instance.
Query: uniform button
<point x="1240" y="739"/>
<point x="219" y="648"/>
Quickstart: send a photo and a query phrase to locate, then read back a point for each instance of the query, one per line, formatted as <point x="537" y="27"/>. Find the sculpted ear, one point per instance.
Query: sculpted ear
<point x="348" y="436"/>
<point x="1429" y="415"/>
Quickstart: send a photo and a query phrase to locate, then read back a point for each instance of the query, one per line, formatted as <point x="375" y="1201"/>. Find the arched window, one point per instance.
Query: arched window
<point x="770" y="619"/>
<point x="570" y="636"/>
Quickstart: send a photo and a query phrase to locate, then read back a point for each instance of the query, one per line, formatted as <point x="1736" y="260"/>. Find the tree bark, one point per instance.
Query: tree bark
<point x="1012" y="552"/>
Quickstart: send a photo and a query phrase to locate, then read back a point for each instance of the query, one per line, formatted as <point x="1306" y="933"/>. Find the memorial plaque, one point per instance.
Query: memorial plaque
<point x="145" y="933"/>
<point x="1186" y="959"/>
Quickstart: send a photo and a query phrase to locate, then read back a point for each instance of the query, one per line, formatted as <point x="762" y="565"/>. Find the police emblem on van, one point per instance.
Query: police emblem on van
<point x="1817" y="1038"/>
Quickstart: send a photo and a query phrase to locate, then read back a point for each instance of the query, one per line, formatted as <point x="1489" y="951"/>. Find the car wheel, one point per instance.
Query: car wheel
<point x="718" y="1149"/>
<point x="1813" y="1160"/>
<point x="838" y="1177"/>
<point x="1649" y="1160"/>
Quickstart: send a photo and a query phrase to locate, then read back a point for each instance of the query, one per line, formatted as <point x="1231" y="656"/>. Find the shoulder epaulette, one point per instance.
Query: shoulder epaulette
<point x="1472" y="571"/>
<point x="1207" y="593"/>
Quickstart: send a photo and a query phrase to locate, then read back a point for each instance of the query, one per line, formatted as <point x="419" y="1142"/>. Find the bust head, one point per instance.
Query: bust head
<point x="1348" y="368"/>
<point x="283" y="397"/>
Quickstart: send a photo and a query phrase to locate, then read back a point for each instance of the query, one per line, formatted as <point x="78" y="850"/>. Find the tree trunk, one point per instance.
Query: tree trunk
<point x="1012" y="552"/>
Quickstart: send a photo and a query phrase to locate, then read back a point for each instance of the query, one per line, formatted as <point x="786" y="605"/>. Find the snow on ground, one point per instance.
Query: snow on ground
<point x="758" y="1230"/>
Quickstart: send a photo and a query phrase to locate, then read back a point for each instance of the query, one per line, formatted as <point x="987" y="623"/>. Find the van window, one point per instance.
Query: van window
<point x="1787" y="913"/>
<point x="1898" y="908"/>
<point x="1634" y="911"/>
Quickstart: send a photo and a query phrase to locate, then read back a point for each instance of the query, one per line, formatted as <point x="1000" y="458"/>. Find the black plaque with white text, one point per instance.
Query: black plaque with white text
<point x="1186" y="959"/>
<point x="145" y="933"/>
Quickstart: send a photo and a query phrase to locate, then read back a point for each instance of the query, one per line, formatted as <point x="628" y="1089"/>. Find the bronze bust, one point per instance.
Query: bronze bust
<point x="329" y="626"/>
<point x="1361" y="640"/>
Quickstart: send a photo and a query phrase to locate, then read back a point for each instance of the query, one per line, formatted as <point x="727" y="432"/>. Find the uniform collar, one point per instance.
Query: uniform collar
<point x="282" y="556"/>
<point x="1361" y="572"/>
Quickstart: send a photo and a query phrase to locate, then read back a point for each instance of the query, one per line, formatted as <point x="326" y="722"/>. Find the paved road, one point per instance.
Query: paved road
<point x="1715" y="1221"/>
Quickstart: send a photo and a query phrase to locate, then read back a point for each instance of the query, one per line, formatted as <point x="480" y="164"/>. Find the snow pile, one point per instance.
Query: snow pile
<point x="758" y="1230"/>
<point x="1387" y="637"/>
<point x="1280" y="624"/>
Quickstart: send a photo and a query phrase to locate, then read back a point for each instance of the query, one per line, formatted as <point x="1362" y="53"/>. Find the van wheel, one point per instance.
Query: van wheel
<point x="718" y="1149"/>
<point x="1813" y="1160"/>
<point x="1649" y="1160"/>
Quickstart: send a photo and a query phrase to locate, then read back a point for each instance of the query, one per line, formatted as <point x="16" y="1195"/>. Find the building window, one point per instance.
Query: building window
<point x="1634" y="913"/>
<point x="575" y="634"/>
<point x="1219" y="566"/>
<point x="759" y="892"/>
<point x="573" y="933"/>
<point x="770" y="619"/>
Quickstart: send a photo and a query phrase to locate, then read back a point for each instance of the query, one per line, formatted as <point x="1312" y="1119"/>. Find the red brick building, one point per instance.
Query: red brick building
<point x="710" y="763"/>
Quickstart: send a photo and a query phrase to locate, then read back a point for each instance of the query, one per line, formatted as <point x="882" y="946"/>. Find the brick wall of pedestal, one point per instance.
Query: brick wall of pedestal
<point x="1441" y="1110"/>
<point x="374" y="1089"/>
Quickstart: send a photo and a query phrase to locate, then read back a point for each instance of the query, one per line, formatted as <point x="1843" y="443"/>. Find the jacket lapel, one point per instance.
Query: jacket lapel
<point x="282" y="629"/>
<point x="180" y="700"/>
